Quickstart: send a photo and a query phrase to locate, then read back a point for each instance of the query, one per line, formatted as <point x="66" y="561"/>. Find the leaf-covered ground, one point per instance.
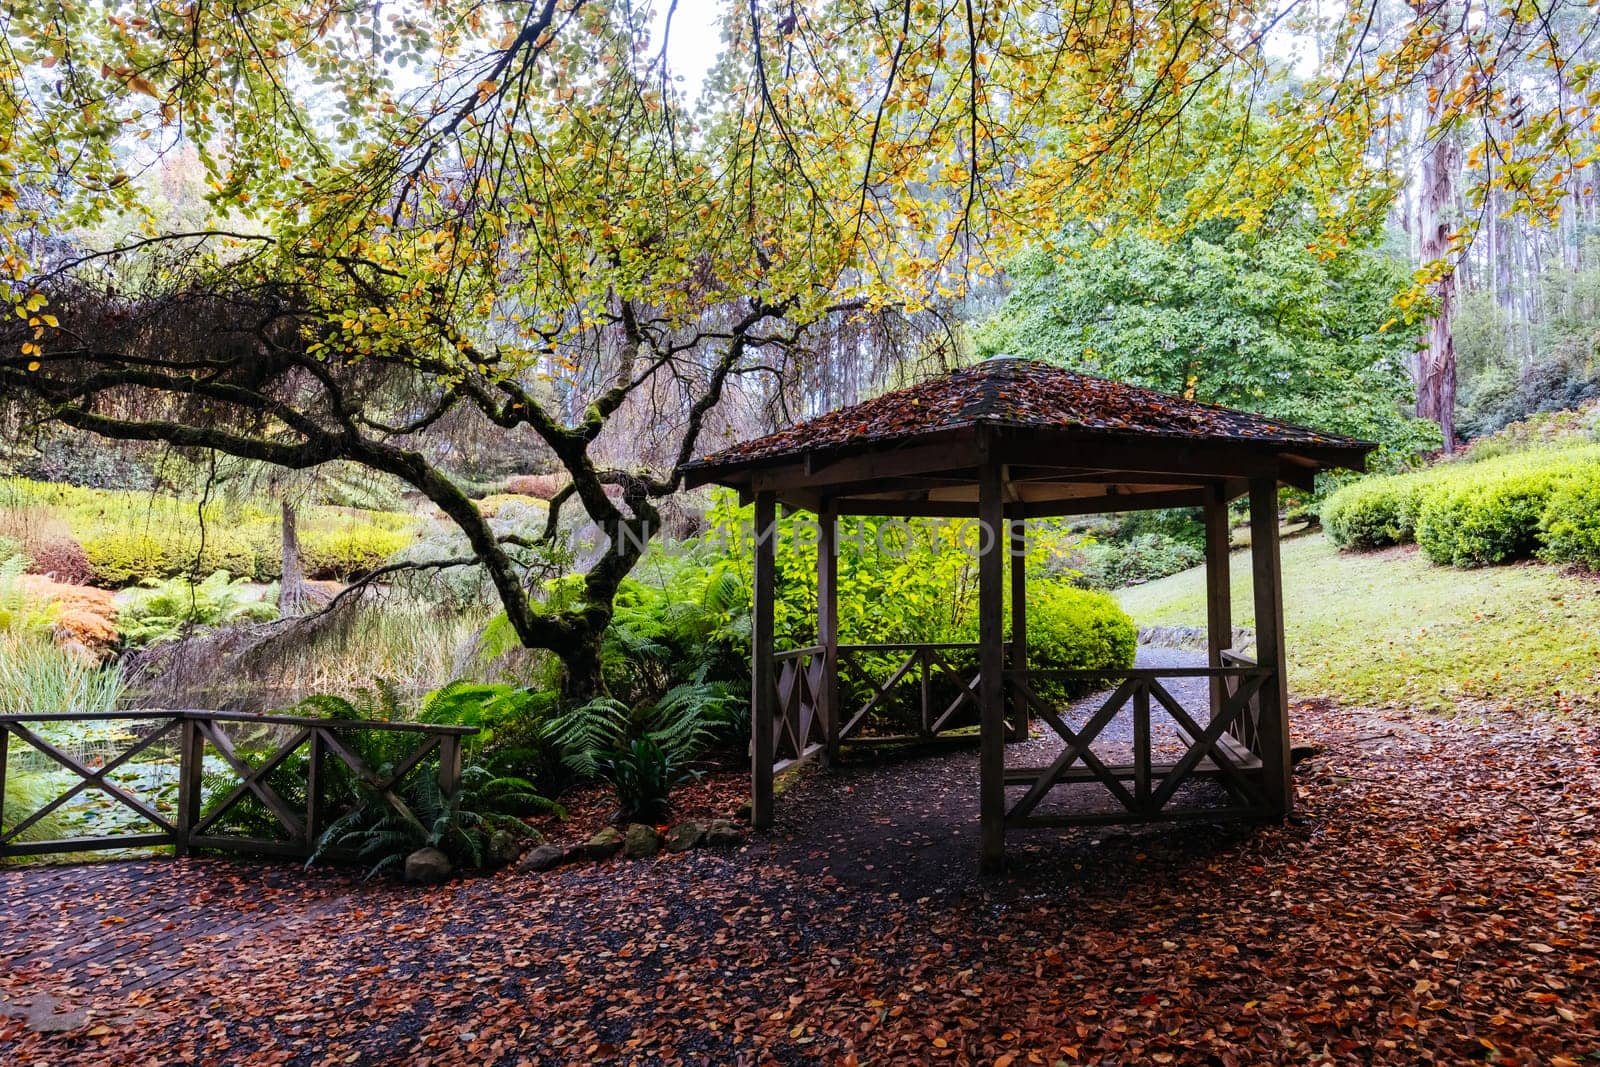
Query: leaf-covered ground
<point x="1435" y="901"/>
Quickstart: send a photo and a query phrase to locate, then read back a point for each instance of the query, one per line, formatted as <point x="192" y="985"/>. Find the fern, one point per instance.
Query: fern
<point x="459" y="824"/>
<point x="588" y="731"/>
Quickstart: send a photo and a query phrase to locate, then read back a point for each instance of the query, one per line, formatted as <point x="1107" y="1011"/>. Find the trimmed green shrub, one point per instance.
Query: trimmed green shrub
<point x="129" y="537"/>
<point x="1378" y="512"/>
<point x="1078" y="629"/>
<point x="1473" y="512"/>
<point x="122" y="557"/>
<point x="1491" y="512"/>
<point x="1570" y="524"/>
<point x="347" y="551"/>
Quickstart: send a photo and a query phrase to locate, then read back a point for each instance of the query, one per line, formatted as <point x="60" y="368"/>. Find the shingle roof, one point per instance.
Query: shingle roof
<point x="1024" y="393"/>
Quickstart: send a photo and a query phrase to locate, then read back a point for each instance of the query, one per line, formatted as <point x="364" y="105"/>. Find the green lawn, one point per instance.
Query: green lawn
<point x="1390" y="628"/>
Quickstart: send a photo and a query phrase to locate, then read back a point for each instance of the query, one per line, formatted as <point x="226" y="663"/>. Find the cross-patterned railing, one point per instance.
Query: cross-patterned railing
<point x="798" y="726"/>
<point x="178" y="778"/>
<point x="1246" y="728"/>
<point x="946" y="690"/>
<point x="886" y="692"/>
<point x="1143" y="786"/>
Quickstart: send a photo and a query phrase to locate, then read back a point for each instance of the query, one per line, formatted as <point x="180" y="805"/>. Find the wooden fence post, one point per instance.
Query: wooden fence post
<point x="1219" y="591"/>
<point x="1141" y="745"/>
<point x="925" y="666"/>
<point x="5" y="748"/>
<point x="191" y="775"/>
<point x="314" y="770"/>
<point x="449" y="764"/>
<point x="1018" y="551"/>
<point x="828" y="627"/>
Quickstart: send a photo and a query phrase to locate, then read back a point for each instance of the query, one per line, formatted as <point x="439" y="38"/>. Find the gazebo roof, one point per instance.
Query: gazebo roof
<point x="1053" y="427"/>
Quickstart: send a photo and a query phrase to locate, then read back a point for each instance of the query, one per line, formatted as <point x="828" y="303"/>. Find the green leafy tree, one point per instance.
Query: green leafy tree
<point x="1261" y="319"/>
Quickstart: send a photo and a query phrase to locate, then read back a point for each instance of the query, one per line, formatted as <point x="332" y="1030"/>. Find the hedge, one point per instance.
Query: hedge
<point x="131" y="537"/>
<point x="1378" y="512"/>
<point x="1075" y="629"/>
<point x="1570" y="525"/>
<point x="1078" y="629"/>
<point x="348" y="551"/>
<point x="128" y="557"/>
<point x="1543" y="503"/>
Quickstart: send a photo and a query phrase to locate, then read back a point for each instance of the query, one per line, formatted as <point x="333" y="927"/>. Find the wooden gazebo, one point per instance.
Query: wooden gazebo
<point x="1003" y="442"/>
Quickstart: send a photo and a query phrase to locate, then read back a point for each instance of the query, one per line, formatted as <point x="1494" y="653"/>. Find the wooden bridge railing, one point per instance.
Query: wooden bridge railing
<point x="198" y="821"/>
<point x="1145" y="788"/>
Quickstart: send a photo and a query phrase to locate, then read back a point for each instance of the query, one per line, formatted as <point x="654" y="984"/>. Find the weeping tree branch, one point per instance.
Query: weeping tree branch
<point x="263" y="378"/>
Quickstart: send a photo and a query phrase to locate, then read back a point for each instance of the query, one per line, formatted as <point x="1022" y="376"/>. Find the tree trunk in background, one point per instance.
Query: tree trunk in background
<point x="1434" y="367"/>
<point x="292" y="586"/>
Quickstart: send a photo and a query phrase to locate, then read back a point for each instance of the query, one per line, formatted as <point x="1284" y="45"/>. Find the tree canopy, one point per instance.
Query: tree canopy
<point x="509" y="213"/>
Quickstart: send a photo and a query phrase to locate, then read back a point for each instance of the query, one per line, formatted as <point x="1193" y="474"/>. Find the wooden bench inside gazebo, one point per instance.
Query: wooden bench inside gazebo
<point x="1001" y="443"/>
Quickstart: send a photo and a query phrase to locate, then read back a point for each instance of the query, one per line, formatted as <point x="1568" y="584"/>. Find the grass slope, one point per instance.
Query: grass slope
<point x="1390" y="628"/>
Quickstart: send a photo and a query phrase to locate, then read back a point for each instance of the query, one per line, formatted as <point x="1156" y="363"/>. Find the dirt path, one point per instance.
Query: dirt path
<point x="1433" y="901"/>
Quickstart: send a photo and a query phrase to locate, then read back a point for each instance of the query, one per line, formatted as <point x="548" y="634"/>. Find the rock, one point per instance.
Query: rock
<point x="722" y="833"/>
<point x="1300" y="753"/>
<point x="603" y="845"/>
<point x="544" y="858"/>
<point x="684" y="836"/>
<point x="640" y="841"/>
<point x="504" y="847"/>
<point x="428" y="866"/>
<point x="1192" y="637"/>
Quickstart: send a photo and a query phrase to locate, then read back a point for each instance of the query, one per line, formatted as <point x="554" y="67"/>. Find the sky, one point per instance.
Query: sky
<point x="695" y="39"/>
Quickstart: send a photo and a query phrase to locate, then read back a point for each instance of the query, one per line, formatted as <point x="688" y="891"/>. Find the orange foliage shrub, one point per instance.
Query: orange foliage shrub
<point x="543" y="486"/>
<point x="80" y="613"/>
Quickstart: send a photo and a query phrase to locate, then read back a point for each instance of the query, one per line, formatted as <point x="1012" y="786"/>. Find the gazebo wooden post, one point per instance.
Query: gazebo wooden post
<point x="1017" y="528"/>
<point x="991" y="664"/>
<point x="828" y="627"/>
<point x="763" y="687"/>
<point x="1267" y="580"/>
<point x="1219" y="590"/>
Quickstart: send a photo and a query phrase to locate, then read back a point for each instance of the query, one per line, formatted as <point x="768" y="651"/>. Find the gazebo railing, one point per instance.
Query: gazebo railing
<point x="1144" y="787"/>
<point x="798" y="726"/>
<point x="944" y="690"/>
<point x="1246" y="728"/>
<point x="1146" y="781"/>
<point x="917" y="690"/>
<point x="178" y="778"/>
